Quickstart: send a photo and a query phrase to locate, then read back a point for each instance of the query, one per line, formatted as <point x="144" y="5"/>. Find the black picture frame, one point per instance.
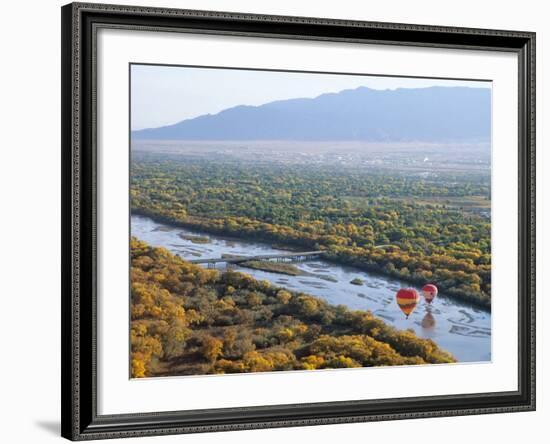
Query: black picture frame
<point x="80" y="420"/>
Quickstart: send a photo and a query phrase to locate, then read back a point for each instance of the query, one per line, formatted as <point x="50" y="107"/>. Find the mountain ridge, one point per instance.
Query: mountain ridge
<point x="437" y="113"/>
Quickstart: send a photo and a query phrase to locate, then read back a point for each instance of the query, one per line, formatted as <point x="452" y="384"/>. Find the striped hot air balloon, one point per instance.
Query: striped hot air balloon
<point x="407" y="299"/>
<point x="430" y="292"/>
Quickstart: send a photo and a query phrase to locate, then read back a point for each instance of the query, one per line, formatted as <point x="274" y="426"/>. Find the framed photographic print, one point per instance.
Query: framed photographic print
<point x="278" y="221"/>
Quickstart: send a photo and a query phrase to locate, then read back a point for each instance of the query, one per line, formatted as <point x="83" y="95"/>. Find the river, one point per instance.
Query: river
<point x="456" y="326"/>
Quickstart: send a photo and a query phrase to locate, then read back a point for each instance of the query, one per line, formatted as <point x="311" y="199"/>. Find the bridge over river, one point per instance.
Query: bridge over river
<point x="290" y="256"/>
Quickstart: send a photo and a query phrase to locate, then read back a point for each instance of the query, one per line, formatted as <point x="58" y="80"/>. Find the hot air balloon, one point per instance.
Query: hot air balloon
<point x="407" y="299"/>
<point x="430" y="292"/>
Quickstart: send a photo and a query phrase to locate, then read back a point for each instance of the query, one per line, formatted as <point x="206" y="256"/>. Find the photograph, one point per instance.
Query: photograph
<point x="307" y="221"/>
<point x="281" y="219"/>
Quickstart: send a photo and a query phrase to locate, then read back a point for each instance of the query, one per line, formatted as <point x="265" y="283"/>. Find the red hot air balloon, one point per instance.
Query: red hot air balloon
<point x="407" y="299"/>
<point x="430" y="292"/>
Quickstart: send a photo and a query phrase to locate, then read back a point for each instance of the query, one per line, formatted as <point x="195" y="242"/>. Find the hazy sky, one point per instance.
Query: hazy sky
<point x="163" y="95"/>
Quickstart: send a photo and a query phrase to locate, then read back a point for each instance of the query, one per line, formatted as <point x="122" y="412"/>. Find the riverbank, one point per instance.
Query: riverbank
<point x="459" y="327"/>
<point x="198" y="224"/>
